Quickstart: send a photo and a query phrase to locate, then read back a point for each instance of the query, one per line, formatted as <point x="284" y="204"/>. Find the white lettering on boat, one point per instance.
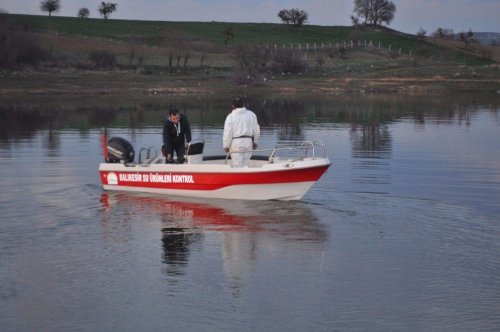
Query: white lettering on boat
<point x="183" y="179"/>
<point x="160" y="178"/>
<point x="130" y="177"/>
<point x="156" y="177"/>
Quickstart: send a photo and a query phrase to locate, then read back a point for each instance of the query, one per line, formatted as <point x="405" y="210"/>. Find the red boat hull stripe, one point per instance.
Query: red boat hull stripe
<point x="208" y="181"/>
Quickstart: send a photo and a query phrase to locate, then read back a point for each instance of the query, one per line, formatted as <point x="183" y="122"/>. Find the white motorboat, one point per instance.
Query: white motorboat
<point x="285" y="172"/>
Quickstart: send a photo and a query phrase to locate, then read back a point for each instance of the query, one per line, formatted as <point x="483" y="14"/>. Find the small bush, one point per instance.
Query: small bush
<point x="19" y="49"/>
<point x="422" y="52"/>
<point x="252" y="58"/>
<point x="241" y="77"/>
<point x="286" y="62"/>
<point x="103" y="59"/>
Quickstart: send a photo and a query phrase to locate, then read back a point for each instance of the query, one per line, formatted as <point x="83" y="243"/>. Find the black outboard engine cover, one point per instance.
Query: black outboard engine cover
<point x="119" y="149"/>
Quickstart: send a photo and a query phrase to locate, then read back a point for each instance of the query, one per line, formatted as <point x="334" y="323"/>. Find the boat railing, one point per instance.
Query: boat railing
<point x="309" y="149"/>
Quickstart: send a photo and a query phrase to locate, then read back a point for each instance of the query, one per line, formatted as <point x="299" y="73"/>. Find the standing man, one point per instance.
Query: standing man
<point x="241" y="133"/>
<point x="176" y="134"/>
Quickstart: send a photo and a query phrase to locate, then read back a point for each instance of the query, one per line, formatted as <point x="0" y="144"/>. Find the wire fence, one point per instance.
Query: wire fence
<point x="308" y="48"/>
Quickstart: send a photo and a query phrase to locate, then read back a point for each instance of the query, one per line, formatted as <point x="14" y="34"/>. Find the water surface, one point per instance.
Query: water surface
<point x="401" y="233"/>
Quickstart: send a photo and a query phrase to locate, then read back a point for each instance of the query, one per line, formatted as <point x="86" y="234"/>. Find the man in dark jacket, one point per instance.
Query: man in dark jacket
<point x="176" y="134"/>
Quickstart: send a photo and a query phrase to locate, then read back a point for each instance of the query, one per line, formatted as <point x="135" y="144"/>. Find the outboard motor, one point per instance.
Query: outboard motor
<point x="119" y="149"/>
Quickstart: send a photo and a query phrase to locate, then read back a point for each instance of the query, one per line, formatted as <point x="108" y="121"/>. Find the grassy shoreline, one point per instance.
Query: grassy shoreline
<point x="484" y="79"/>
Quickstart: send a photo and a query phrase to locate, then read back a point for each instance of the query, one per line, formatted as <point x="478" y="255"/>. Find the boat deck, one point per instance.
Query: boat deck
<point x="255" y="161"/>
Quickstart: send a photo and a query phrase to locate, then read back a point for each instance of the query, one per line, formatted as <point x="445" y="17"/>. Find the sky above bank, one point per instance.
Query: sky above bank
<point x="410" y="16"/>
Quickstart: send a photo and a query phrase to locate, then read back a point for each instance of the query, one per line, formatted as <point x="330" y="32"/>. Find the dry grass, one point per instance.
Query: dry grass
<point x="491" y="52"/>
<point x="81" y="45"/>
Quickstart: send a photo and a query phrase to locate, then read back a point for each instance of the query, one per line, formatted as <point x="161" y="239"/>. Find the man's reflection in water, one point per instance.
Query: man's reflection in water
<point x="176" y="243"/>
<point x="239" y="259"/>
<point x="244" y="229"/>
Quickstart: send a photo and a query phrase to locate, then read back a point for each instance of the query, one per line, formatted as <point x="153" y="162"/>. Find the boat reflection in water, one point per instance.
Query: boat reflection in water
<point x="244" y="230"/>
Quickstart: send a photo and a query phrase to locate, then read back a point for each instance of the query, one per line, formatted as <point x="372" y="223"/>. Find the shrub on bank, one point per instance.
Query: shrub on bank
<point x="18" y="48"/>
<point x="103" y="59"/>
<point x="287" y="62"/>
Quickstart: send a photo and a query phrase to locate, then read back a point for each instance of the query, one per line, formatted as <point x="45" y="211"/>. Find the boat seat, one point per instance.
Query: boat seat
<point x="195" y="148"/>
<point x="194" y="154"/>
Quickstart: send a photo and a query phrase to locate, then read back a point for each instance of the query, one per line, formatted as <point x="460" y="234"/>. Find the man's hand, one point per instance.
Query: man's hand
<point x="226" y="150"/>
<point x="254" y="145"/>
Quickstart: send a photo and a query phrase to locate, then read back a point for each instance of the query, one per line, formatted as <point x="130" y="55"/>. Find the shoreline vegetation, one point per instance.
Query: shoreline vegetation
<point x="74" y="56"/>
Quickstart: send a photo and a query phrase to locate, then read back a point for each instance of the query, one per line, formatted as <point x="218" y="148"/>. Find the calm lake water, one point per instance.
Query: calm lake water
<point x="401" y="234"/>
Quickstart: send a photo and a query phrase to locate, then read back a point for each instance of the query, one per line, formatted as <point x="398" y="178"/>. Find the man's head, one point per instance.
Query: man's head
<point x="238" y="102"/>
<point x="174" y="115"/>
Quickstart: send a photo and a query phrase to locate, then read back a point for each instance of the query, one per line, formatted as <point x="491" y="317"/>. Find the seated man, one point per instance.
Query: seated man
<point x="176" y="134"/>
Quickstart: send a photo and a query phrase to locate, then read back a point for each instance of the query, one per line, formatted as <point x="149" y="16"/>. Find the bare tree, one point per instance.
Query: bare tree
<point x="466" y="37"/>
<point x="106" y="9"/>
<point x="443" y="33"/>
<point x="293" y="16"/>
<point x="203" y="53"/>
<point x="228" y="35"/>
<point x="83" y="12"/>
<point x="50" y="6"/>
<point x="132" y="42"/>
<point x="354" y="21"/>
<point x="178" y="48"/>
<point x="170" y="45"/>
<point x="421" y="34"/>
<point x="187" y="55"/>
<point x="375" y="12"/>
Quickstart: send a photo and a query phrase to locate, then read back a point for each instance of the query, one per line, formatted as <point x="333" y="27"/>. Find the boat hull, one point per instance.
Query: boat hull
<point x="278" y="181"/>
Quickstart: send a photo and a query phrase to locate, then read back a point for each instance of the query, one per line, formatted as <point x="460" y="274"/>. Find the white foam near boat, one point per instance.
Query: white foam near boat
<point x="286" y="172"/>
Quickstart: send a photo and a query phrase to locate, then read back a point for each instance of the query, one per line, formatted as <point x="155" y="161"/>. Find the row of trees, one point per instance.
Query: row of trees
<point x="466" y="37"/>
<point x="53" y="6"/>
<point x="371" y="12"/>
<point x="375" y="13"/>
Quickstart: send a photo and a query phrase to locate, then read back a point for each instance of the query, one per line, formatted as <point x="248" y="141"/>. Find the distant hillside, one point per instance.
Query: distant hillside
<point x="216" y="46"/>
<point x="487" y="38"/>
<point x="153" y="32"/>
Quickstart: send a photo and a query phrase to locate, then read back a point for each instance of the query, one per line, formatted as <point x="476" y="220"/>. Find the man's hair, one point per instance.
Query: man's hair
<point x="238" y="102"/>
<point x="173" y="111"/>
